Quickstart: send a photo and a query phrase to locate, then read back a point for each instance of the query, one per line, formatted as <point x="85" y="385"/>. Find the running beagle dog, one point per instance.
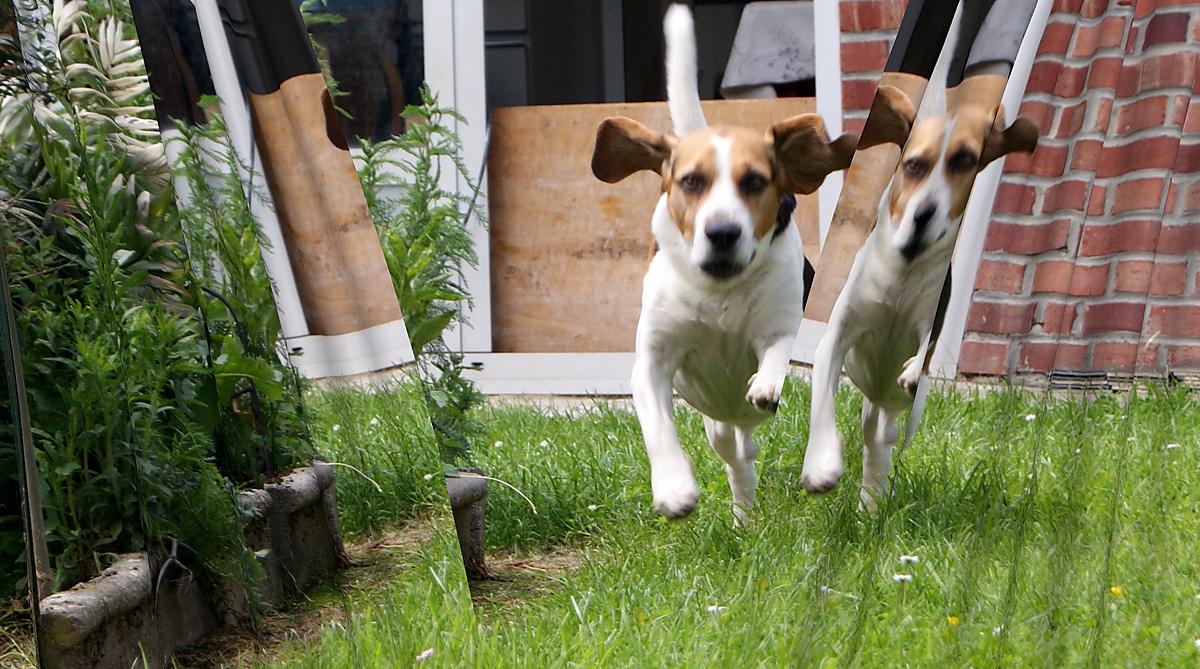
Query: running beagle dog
<point x="722" y="299"/>
<point x="886" y="321"/>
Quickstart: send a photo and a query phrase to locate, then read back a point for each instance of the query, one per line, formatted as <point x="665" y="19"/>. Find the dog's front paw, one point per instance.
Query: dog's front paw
<point x="763" y="394"/>
<point x="822" y="468"/>
<point x="911" y="375"/>
<point x="675" y="492"/>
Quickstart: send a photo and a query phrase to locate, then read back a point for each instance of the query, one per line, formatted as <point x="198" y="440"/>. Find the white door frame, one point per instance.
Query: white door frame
<point x="454" y="69"/>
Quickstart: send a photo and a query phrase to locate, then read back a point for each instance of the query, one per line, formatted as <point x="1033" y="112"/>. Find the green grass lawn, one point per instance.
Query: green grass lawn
<point x="1049" y="532"/>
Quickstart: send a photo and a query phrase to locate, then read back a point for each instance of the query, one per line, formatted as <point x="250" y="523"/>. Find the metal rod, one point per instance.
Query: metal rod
<point x="37" y="554"/>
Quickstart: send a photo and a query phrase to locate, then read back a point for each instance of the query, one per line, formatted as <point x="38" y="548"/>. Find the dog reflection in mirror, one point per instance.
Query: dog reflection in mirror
<point x="884" y="324"/>
<point x="723" y="295"/>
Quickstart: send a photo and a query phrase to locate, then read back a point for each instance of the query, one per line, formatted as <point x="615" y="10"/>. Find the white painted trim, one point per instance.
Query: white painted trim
<point x="551" y="373"/>
<point x="805" y="350"/>
<point x="377" y="347"/>
<point x="978" y="214"/>
<point x="237" y="122"/>
<point x="605" y="374"/>
<point x="827" y="48"/>
<point x="455" y="72"/>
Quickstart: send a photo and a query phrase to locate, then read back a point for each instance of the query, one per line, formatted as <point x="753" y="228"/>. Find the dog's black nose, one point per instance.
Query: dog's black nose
<point x="924" y="215"/>
<point x="723" y="235"/>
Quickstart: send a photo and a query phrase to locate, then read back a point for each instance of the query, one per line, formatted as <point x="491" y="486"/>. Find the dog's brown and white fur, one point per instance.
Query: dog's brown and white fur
<point x="723" y="296"/>
<point x="881" y="324"/>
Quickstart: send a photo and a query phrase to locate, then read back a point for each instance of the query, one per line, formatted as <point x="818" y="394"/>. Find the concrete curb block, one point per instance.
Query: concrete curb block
<point x="70" y="616"/>
<point x="468" y="501"/>
<point x="115" y="618"/>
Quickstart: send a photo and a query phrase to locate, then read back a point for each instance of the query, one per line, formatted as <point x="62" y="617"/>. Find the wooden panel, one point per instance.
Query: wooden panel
<point x="568" y="251"/>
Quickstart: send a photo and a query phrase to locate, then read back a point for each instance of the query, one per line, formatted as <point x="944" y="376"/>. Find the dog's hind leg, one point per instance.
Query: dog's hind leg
<point x="879" y="435"/>
<point x="736" y="447"/>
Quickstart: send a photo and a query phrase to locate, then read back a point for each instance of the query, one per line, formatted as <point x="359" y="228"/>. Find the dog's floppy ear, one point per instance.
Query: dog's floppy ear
<point x="891" y="118"/>
<point x="1022" y="135"/>
<point x="624" y="146"/>
<point x="805" y="154"/>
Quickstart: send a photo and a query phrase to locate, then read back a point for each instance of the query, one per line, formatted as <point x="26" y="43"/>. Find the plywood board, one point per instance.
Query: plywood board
<point x="567" y="250"/>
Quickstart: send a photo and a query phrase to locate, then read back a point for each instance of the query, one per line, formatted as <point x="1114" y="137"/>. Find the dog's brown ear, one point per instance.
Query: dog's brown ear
<point x="1022" y="135"/>
<point x="624" y="146"/>
<point x="891" y="118"/>
<point x="805" y="153"/>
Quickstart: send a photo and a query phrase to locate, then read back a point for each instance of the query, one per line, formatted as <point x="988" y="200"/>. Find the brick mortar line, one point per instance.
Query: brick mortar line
<point x="1061" y="101"/>
<point x="867" y="36"/>
<point x="1127" y="59"/>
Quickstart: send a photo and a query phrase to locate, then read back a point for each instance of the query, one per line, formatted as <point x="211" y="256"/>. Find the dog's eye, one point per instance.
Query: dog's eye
<point x="915" y="168"/>
<point x="692" y="183"/>
<point x="962" y="161"/>
<point x="753" y="183"/>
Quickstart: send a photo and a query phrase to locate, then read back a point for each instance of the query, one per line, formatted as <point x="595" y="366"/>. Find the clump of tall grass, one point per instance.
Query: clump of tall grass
<point x="423" y="227"/>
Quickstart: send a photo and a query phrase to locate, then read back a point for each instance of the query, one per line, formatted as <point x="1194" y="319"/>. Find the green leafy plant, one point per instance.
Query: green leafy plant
<point x="259" y="420"/>
<point x="423" y="229"/>
<point x="127" y="385"/>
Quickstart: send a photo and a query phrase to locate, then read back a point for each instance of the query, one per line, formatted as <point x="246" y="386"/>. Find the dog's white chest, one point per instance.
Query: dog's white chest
<point x="714" y="370"/>
<point x="711" y="336"/>
<point x="887" y="314"/>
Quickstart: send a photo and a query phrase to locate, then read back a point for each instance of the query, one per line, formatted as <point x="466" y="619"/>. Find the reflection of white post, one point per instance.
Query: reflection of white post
<point x="454" y="71"/>
<point x="827" y="48"/>
<point x="975" y="221"/>
<point x="237" y="123"/>
<point x="174" y="146"/>
<point x="374" y="348"/>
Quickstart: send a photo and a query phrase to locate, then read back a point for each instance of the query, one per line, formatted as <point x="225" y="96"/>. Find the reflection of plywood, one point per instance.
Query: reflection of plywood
<point x="568" y="251"/>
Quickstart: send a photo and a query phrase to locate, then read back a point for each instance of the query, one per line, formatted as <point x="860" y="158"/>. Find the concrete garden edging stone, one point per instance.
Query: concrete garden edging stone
<point x="468" y="502"/>
<point x="115" y="619"/>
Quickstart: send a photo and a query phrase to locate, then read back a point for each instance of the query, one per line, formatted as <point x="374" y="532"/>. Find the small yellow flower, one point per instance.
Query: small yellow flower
<point x="640" y="616"/>
<point x="1116" y="590"/>
<point x="952" y="621"/>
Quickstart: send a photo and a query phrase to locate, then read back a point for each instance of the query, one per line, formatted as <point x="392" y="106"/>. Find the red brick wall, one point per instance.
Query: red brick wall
<point x="1092" y="257"/>
<point x="868" y="29"/>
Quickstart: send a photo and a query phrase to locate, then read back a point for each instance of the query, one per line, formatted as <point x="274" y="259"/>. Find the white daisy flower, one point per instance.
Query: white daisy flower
<point x="544" y="444"/>
<point x="375" y="420"/>
<point x="1171" y="446"/>
<point x="902" y="578"/>
<point x="1078" y="451"/>
<point x="592" y="507"/>
<point x="909" y="559"/>
<point x="428" y="477"/>
<point x="498" y="444"/>
<point x="336" y="427"/>
<point x="424" y="655"/>
<point x="1029" y="417"/>
<point x="717" y="609"/>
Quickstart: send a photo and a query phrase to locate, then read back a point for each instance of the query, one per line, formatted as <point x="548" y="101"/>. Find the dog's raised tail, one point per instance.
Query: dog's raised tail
<point x="683" y="92"/>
